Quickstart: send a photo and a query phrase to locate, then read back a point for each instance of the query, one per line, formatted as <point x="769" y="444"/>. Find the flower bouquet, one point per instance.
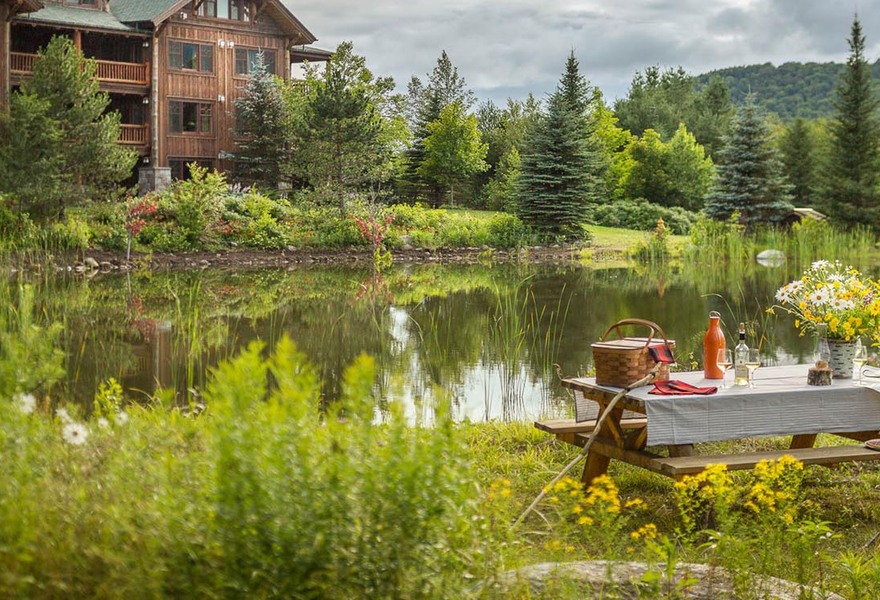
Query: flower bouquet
<point x="841" y="297"/>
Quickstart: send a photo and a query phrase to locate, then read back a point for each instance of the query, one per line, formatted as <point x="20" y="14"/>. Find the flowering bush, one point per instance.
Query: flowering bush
<point x="830" y="293"/>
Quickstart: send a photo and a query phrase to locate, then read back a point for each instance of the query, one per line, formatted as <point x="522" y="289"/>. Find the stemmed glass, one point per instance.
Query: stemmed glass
<point x="752" y="364"/>
<point x="725" y="361"/>
<point x="860" y="357"/>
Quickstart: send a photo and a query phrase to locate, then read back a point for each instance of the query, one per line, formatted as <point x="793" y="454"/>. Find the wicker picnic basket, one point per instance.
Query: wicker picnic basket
<point x="625" y="360"/>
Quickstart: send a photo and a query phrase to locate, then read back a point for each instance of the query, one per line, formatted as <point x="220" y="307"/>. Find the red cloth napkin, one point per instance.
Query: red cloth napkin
<point x="674" y="387"/>
<point x="662" y="353"/>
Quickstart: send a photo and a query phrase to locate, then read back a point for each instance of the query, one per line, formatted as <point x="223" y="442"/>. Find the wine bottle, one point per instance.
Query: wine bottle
<point x="740" y="358"/>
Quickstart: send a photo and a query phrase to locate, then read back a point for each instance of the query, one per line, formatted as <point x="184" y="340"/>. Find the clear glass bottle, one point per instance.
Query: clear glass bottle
<point x="823" y="350"/>
<point x="740" y="358"/>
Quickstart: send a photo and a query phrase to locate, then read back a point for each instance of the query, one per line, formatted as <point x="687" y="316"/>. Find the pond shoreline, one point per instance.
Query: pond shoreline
<point x="239" y="258"/>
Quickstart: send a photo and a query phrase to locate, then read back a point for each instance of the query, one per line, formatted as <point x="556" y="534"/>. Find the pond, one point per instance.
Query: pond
<point x="491" y="341"/>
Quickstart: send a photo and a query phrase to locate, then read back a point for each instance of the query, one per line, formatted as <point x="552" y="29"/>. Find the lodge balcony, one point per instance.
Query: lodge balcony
<point x="135" y="136"/>
<point x="112" y="75"/>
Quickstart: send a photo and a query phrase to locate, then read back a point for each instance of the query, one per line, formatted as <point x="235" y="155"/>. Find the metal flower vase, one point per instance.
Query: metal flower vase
<point x="841" y="358"/>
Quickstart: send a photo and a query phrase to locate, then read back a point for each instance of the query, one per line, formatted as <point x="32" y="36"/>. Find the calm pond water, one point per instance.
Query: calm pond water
<point x="490" y="340"/>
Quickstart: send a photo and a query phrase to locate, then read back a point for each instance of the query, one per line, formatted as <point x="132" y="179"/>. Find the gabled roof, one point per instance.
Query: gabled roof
<point x="71" y="16"/>
<point x="135" y="11"/>
<point x="156" y="11"/>
<point x="23" y="6"/>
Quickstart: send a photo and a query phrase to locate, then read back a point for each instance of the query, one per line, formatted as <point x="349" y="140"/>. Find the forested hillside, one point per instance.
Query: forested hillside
<point x="789" y="90"/>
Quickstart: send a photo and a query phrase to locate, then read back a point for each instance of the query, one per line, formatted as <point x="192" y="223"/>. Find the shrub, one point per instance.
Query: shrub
<point x="506" y="231"/>
<point x="642" y="216"/>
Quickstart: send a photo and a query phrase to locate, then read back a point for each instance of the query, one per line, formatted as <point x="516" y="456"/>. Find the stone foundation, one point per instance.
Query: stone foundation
<point x="153" y="179"/>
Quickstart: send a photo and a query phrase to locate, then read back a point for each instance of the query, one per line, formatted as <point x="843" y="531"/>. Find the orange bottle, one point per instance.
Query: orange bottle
<point x="713" y="341"/>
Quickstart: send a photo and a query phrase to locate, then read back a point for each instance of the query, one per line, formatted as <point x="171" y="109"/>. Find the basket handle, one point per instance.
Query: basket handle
<point x="643" y="322"/>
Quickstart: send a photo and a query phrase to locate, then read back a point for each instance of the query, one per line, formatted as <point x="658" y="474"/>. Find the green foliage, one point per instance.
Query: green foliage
<point x="790" y="90"/>
<point x="424" y="104"/>
<point x="641" y="215"/>
<point x="800" y="159"/>
<point x="63" y="99"/>
<point x="263" y="123"/>
<point x="31" y="360"/>
<point x="191" y="208"/>
<point x="453" y="149"/>
<point x="348" y="126"/>
<point x="852" y="177"/>
<point x="563" y="166"/>
<point x="750" y="178"/>
<point x="263" y="496"/>
<point x="501" y="190"/>
<point x="663" y="100"/>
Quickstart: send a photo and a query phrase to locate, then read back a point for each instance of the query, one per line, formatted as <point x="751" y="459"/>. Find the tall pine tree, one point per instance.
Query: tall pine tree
<point x="852" y="172"/>
<point x="799" y="158"/>
<point x="750" y="177"/>
<point x="563" y="163"/>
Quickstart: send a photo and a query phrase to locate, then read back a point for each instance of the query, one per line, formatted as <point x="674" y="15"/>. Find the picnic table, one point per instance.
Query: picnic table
<point x="781" y="404"/>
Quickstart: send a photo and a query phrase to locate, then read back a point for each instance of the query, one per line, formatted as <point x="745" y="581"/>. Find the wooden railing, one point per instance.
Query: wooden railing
<point x="134" y="135"/>
<point x="108" y="71"/>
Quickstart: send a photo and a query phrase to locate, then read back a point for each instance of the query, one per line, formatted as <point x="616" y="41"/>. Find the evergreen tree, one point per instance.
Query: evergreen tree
<point x="852" y="173"/>
<point x="262" y="120"/>
<point x="69" y="99"/>
<point x="344" y="138"/>
<point x="501" y="189"/>
<point x="563" y="164"/>
<point x="750" y="179"/>
<point x="444" y="87"/>
<point x="799" y="159"/>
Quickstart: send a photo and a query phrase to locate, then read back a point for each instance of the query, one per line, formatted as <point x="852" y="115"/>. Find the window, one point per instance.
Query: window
<point x="86" y="3"/>
<point x="239" y="10"/>
<point x="180" y="166"/>
<point x="191" y="56"/>
<point x="190" y="117"/>
<point x="208" y="8"/>
<point x="247" y="59"/>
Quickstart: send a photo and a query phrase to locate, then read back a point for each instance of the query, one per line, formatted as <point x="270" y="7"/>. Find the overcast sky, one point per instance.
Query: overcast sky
<point x="507" y="48"/>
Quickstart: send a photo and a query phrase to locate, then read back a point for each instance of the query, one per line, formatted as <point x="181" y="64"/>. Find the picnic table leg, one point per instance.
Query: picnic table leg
<point x="597" y="464"/>
<point x="803" y="440"/>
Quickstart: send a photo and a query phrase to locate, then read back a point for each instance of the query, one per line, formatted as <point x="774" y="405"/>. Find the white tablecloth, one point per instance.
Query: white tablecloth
<point x="781" y="404"/>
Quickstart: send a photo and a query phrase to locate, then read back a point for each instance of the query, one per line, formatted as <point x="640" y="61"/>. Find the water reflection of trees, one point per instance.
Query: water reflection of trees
<point x="472" y="335"/>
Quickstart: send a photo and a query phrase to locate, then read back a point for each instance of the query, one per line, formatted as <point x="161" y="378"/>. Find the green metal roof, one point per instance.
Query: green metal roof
<point x="131" y="11"/>
<point x="71" y="16"/>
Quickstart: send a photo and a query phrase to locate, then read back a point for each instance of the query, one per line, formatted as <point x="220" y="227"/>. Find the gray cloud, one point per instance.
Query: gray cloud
<point x="511" y="48"/>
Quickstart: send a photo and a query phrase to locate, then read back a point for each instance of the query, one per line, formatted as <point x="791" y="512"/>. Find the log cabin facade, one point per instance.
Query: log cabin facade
<point x="172" y="68"/>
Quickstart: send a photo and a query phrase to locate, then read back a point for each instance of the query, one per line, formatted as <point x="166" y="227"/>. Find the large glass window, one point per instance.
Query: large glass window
<point x="87" y="3"/>
<point x="247" y="59"/>
<point x="190" y="117"/>
<point x="180" y="166"/>
<point x="191" y="56"/>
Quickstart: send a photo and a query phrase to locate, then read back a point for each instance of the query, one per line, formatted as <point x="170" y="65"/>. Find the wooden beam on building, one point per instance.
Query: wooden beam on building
<point x="5" y="15"/>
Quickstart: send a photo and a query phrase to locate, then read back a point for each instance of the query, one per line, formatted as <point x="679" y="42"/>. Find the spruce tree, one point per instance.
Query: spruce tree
<point x="261" y="117"/>
<point x="563" y="163"/>
<point x="799" y="159"/>
<point x="750" y="178"/>
<point x="92" y="161"/>
<point x="852" y="171"/>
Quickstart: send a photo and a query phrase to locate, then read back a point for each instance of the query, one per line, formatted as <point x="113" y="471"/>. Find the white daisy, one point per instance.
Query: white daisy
<point x="103" y="423"/>
<point x="820" y="297"/>
<point x="26" y="403"/>
<point x="820" y="264"/>
<point x="121" y="418"/>
<point x="841" y="304"/>
<point x="75" y="434"/>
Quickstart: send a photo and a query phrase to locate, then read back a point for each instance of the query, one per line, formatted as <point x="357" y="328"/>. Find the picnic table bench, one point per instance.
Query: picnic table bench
<point x="781" y="404"/>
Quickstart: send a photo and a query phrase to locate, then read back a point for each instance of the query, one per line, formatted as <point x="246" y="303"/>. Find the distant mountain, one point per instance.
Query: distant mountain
<point x="790" y="90"/>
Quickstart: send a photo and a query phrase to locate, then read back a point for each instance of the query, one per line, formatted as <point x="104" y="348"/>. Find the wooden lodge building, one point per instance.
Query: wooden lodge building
<point x="172" y="68"/>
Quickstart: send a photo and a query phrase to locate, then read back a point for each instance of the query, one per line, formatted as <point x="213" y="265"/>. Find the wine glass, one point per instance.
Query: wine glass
<point x="725" y="361"/>
<point x="860" y="357"/>
<point x="752" y="364"/>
